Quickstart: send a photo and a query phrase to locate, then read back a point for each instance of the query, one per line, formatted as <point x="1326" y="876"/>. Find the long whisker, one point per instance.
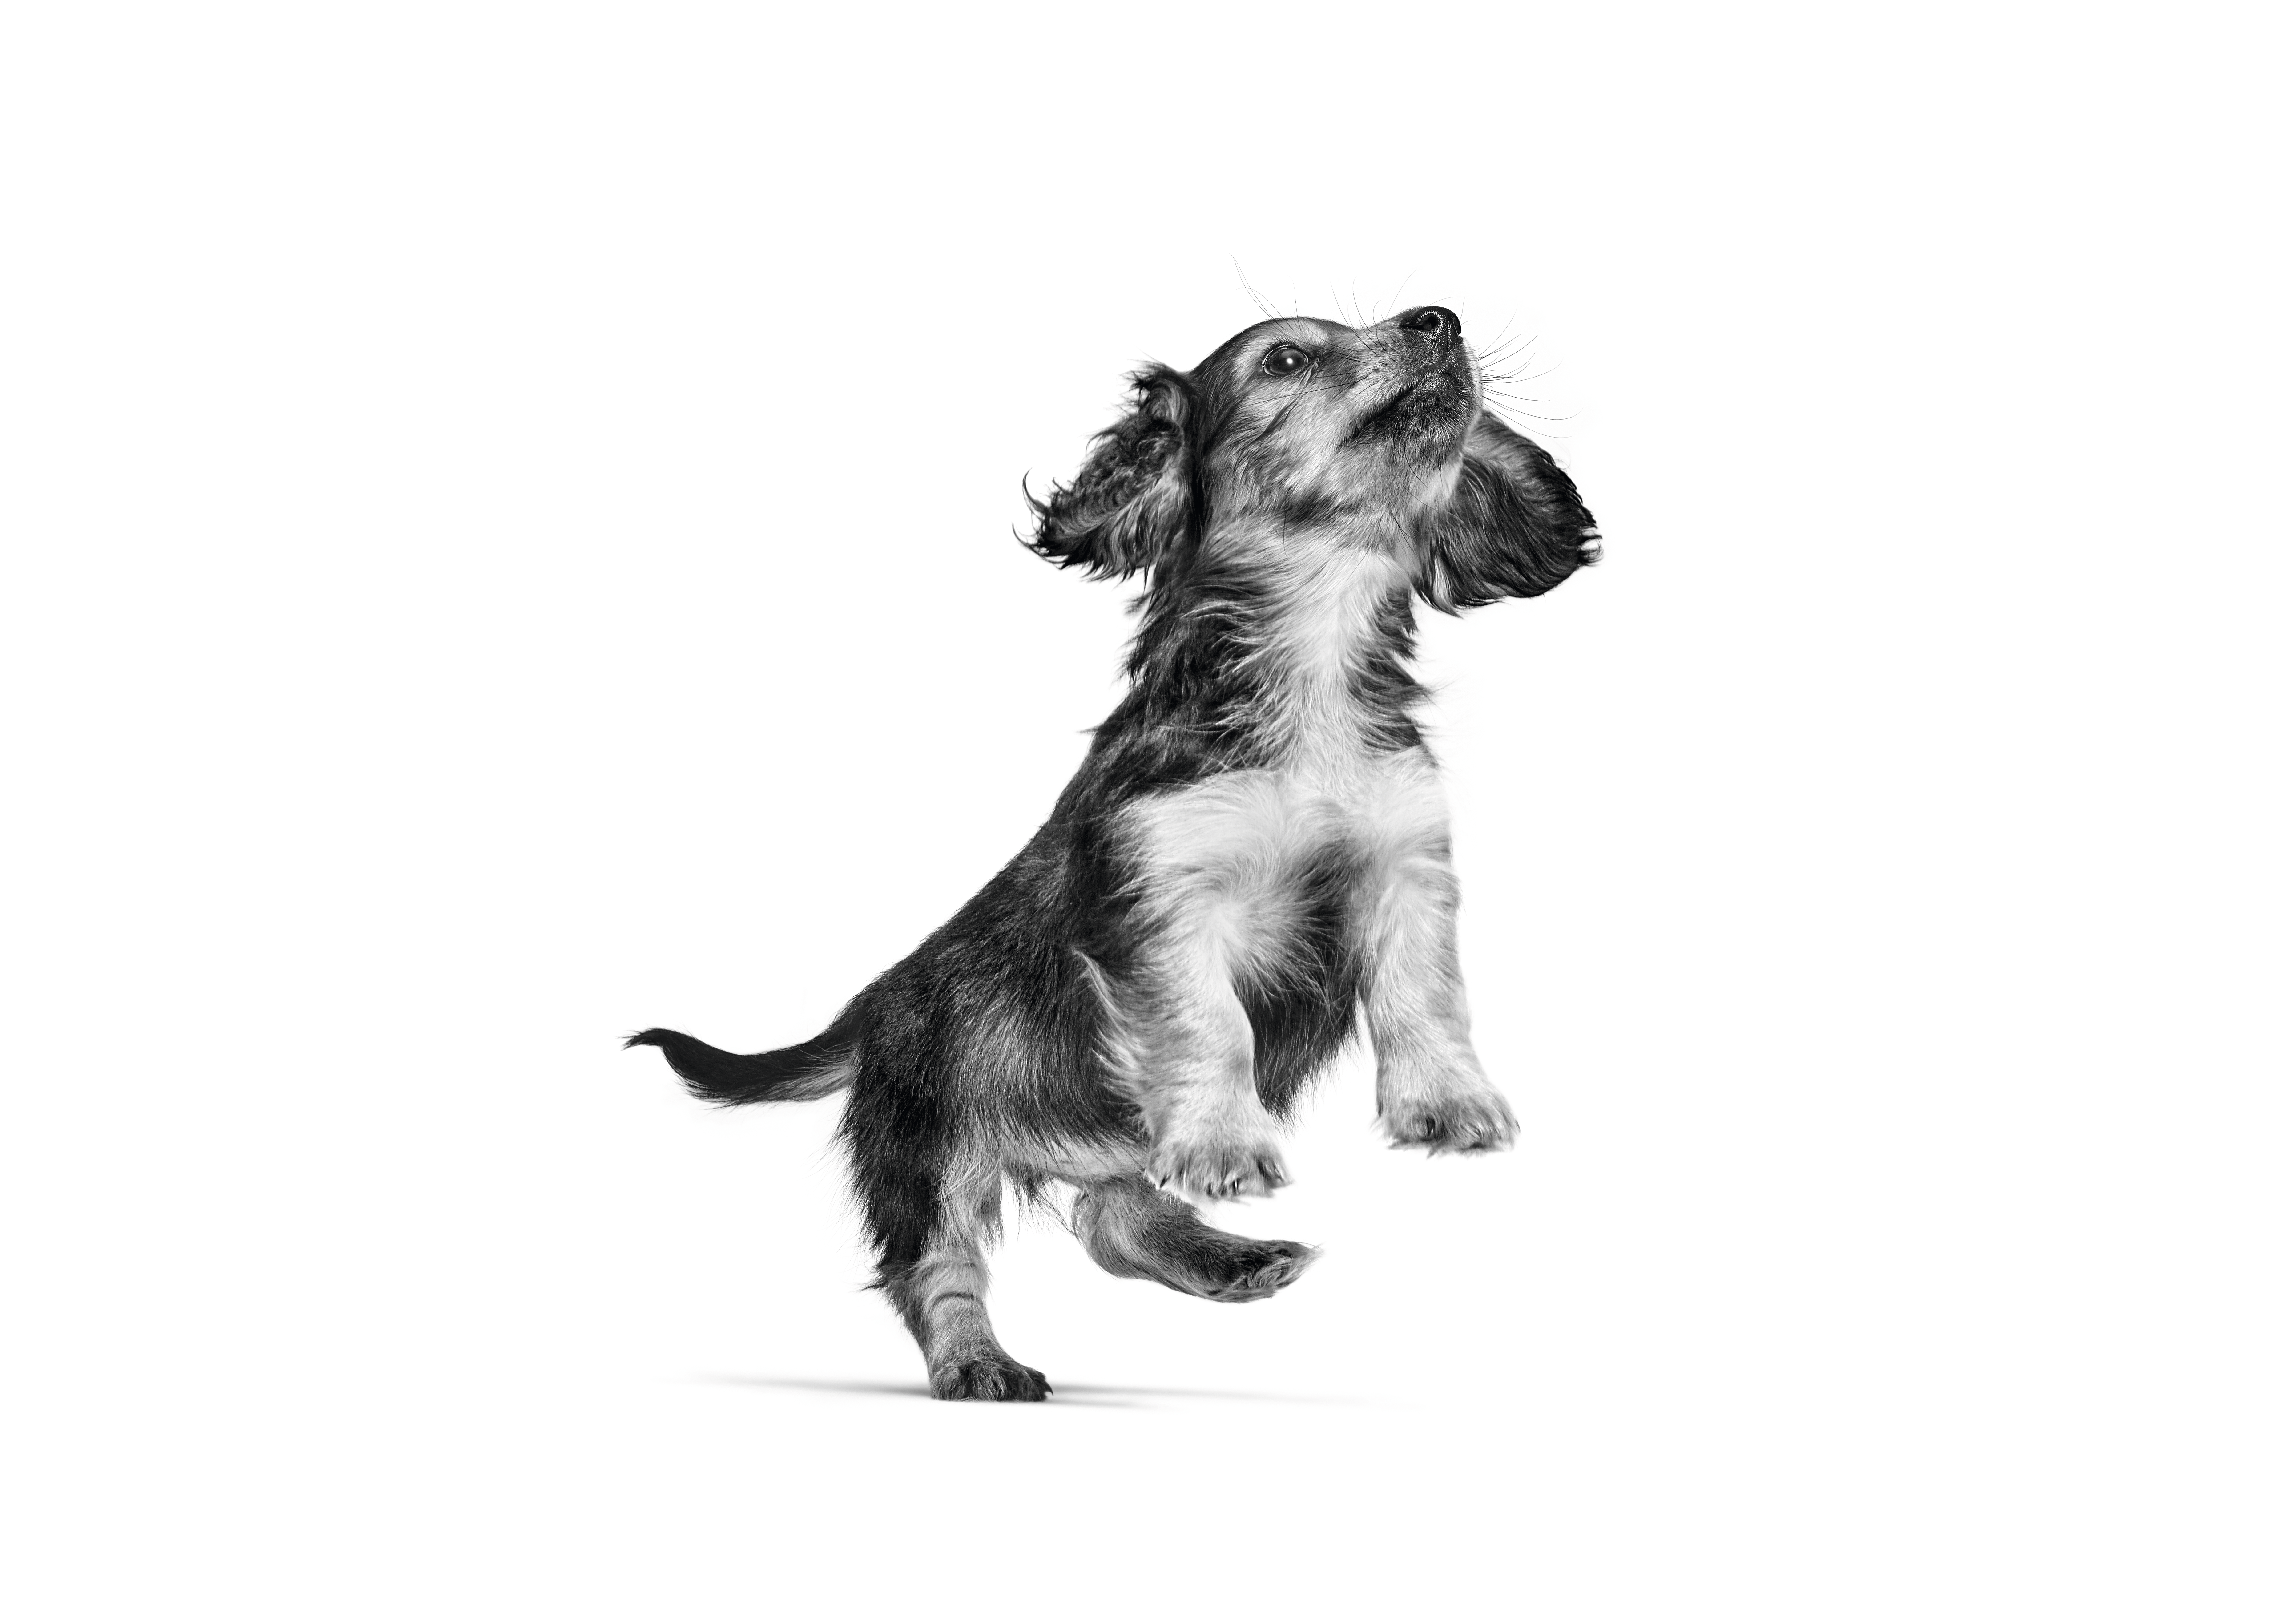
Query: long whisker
<point x="1501" y="352"/>
<point x="1510" y="409"/>
<point x="1512" y="395"/>
<point x="1519" y="345"/>
<point x="1545" y="371"/>
<point x="1512" y="415"/>
<point x="1265" y="308"/>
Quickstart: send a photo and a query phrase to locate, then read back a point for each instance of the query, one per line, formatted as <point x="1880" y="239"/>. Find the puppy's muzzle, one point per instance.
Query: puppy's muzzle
<point x="1426" y="347"/>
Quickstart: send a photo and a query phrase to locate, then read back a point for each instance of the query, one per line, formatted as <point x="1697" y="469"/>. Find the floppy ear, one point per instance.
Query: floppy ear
<point x="1133" y="501"/>
<point x="1514" y="527"/>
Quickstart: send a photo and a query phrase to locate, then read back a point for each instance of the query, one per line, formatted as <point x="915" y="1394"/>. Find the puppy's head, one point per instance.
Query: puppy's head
<point x="1301" y="434"/>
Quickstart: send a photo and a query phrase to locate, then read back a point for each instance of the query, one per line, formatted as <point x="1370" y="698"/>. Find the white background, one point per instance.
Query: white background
<point x="508" y="519"/>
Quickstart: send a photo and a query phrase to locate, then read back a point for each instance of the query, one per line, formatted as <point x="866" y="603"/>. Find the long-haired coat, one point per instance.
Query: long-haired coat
<point x="1255" y="848"/>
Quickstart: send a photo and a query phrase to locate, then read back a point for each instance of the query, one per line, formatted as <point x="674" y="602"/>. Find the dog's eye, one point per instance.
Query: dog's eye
<point x="1282" y="359"/>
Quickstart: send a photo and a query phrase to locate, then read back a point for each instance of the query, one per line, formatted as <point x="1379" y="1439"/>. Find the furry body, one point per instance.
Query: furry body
<point x="1255" y="848"/>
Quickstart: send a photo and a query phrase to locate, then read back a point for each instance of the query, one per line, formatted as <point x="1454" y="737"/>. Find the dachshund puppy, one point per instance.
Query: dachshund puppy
<point x="1256" y="845"/>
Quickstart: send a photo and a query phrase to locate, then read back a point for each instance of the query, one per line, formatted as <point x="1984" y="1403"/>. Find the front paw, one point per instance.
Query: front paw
<point x="1464" y="1120"/>
<point x="1221" y="1160"/>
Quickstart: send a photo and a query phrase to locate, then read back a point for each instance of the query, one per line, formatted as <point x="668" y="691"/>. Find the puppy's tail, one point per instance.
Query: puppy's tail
<point x="807" y="1070"/>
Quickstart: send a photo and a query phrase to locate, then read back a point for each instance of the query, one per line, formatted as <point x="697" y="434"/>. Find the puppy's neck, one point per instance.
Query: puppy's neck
<point x="1337" y="613"/>
<point x="1327" y="595"/>
<point x="1282" y="646"/>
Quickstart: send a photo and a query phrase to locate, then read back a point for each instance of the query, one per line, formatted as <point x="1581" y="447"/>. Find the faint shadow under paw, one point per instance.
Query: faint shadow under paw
<point x="894" y="1389"/>
<point x="898" y="1390"/>
<point x="1074" y="1394"/>
<point x="1210" y="1393"/>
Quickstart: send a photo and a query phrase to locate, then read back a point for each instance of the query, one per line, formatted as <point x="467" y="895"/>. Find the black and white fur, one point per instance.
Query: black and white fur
<point x="1255" y="848"/>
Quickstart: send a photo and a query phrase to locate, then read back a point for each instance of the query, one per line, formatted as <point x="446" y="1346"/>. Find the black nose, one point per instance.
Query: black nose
<point x="1432" y="319"/>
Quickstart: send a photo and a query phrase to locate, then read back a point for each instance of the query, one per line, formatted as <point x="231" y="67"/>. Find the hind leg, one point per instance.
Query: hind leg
<point x="941" y="1297"/>
<point x="1133" y="1229"/>
<point x="931" y="1203"/>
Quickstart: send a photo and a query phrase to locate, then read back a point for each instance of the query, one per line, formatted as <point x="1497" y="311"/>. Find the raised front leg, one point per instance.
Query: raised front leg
<point x="1432" y="1088"/>
<point x="1201" y="875"/>
<point x="1208" y="1133"/>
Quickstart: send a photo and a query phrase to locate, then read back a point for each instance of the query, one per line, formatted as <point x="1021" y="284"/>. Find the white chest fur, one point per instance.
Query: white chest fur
<point x="1228" y="859"/>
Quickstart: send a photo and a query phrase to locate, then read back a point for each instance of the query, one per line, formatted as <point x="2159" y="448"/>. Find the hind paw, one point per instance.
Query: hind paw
<point x="1261" y="1268"/>
<point x="1000" y="1380"/>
